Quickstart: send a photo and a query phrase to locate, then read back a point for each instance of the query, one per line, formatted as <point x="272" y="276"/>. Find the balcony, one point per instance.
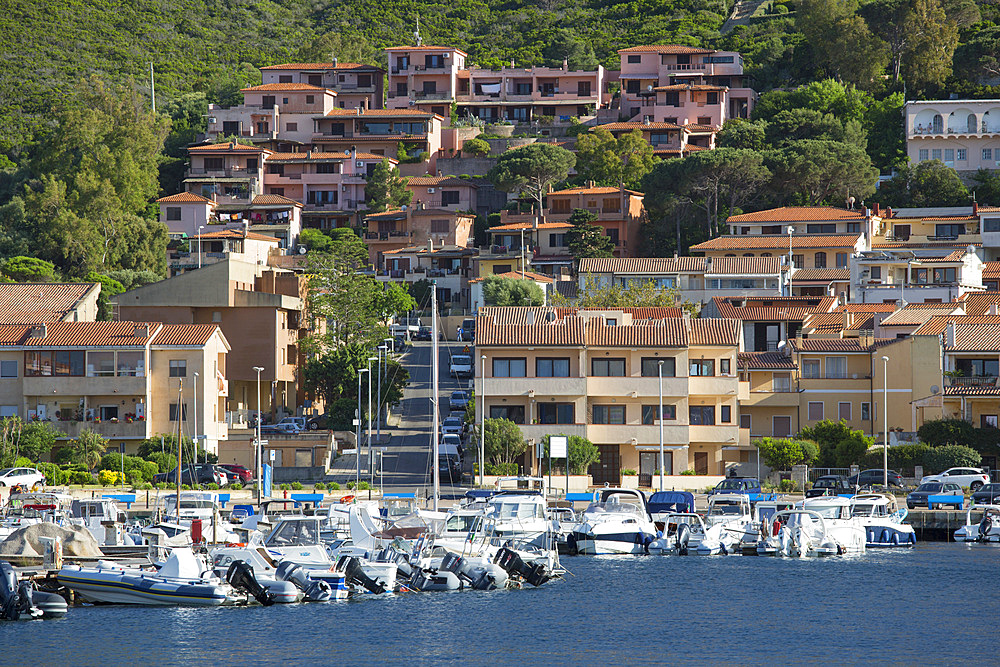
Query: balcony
<point x="642" y="387"/>
<point x="713" y="386"/>
<point x="931" y="133"/>
<point x="430" y="95"/>
<point x="771" y="399"/>
<point x="716" y="434"/>
<point x="973" y="381"/>
<point x="643" y="434"/>
<point x="391" y="237"/>
<point x="541" y="387"/>
<point x="225" y="172"/>
<point x="55" y="387"/>
<point x="107" y="429"/>
<point x="915" y="239"/>
<point x="537" y="432"/>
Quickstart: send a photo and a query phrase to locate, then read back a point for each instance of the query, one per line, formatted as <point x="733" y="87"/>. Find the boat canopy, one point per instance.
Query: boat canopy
<point x="671" y="501"/>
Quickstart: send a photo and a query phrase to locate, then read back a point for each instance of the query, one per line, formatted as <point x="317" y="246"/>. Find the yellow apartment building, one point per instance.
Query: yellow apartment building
<point x="596" y="374"/>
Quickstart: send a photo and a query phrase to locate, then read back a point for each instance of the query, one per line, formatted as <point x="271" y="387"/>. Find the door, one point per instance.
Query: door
<point x="109" y="412"/>
<point x="607" y="470"/>
<point x="782" y="427"/>
<point x="701" y="463"/>
<point x="648" y="467"/>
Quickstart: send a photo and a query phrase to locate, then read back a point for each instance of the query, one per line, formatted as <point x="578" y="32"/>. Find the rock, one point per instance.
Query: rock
<point x="76" y="541"/>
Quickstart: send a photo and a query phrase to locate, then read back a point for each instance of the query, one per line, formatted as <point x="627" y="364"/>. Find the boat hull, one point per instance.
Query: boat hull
<point x="121" y="588"/>
<point x="606" y="545"/>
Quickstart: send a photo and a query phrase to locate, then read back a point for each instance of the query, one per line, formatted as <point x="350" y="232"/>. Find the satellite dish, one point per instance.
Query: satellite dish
<point x="302" y="250"/>
<point x="649" y="87"/>
<point x="935" y="389"/>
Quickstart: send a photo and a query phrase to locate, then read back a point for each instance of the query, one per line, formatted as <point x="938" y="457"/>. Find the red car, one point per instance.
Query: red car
<point x="238" y="471"/>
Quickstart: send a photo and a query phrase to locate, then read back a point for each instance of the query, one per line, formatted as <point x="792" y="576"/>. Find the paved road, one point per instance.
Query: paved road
<point x="406" y="463"/>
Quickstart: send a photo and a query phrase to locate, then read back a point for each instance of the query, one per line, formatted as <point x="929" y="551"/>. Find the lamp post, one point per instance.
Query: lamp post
<point x="200" y="227"/>
<point x="482" y="424"/>
<point x="791" y="230"/>
<point x="659" y="415"/>
<point x="371" y="469"/>
<point x="378" y="406"/>
<point x="260" y="464"/>
<point x="885" y="418"/>
<point x="195" y="429"/>
<point x="357" y="435"/>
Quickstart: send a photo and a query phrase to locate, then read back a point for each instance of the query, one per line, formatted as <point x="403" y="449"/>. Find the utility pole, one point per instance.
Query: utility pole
<point x="152" y="87"/>
<point x="434" y="394"/>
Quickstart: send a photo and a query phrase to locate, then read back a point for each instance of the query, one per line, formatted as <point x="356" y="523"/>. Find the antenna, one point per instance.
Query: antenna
<point x="416" y="34"/>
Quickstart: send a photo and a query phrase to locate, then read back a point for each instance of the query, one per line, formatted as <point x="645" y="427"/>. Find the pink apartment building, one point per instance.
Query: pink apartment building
<point x="521" y="95"/>
<point x="355" y="84"/>
<point x="444" y="192"/>
<point x="424" y="77"/>
<point x="417" y="225"/>
<point x="380" y="131"/>
<point x="963" y="134"/>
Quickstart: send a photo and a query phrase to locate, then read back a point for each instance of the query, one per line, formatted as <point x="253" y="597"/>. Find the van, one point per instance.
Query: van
<point x="453" y="441"/>
<point x="450" y="467"/>
<point x="461" y="365"/>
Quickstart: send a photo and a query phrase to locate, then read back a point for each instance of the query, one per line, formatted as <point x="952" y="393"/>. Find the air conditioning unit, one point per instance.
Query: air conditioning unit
<point x="211" y="120"/>
<point x="447" y="55"/>
<point x="430" y="190"/>
<point x="343" y="188"/>
<point x="359" y="164"/>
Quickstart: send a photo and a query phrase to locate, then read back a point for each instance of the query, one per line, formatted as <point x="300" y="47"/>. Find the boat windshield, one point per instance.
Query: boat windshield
<point x="294" y="533"/>
<point x="460" y="523"/>
<point x="731" y="485"/>
<point x="188" y="504"/>
<point x="829" y="511"/>
<point x="725" y="509"/>
<point x="613" y="506"/>
<point x="517" y="510"/>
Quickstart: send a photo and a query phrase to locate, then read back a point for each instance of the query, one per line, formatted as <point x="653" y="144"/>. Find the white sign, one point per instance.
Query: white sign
<point x="262" y="442"/>
<point x="558" y="444"/>
<point x="271" y="454"/>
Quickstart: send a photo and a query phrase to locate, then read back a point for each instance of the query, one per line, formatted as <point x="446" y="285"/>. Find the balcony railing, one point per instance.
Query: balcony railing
<point x="430" y="95"/>
<point x="231" y="172"/>
<point x="387" y="236"/>
<point x="973" y="381"/>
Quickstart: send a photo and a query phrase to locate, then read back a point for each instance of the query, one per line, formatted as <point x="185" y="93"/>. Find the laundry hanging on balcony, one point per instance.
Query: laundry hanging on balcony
<point x="490" y="88"/>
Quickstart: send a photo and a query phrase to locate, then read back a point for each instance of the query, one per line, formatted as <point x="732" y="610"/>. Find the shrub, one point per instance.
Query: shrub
<point x="165" y="462"/>
<point x="787" y="485"/>
<point x="145" y="486"/>
<point x="213" y="486"/>
<point x="364" y="486"/>
<point x="478" y="147"/>
<point x="939" y="459"/>
<point x="333" y="486"/>
<point x="109" y="477"/>
<point x="629" y="472"/>
<point x="23" y="462"/>
<point x="688" y="473"/>
<point x="164" y="485"/>
<point x="284" y="487"/>
<point x="502" y="469"/>
<point x="319" y="486"/>
<point x="235" y="486"/>
<point x="903" y="457"/>
<point x="296" y="486"/>
<point x="82" y="477"/>
<point x="134" y="477"/>
<point x="186" y="487"/>
<point x="350" y="486"/>
<point x="54" y="475"/>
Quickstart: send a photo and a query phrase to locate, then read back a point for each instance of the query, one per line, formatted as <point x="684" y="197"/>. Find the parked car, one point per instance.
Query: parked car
<point x="873" y="477"/>
<point x="459" y="400"/>
<point x="918" y="498"/>
<point x="974" y="478"/>
<point x="319" y="422"/>
<point x="25" y="476"/>
<point x="461" y="365"/>
<point x="988" y="494"/>
<point x="237" y="472"/>
<point x="453" y="425"/>
<point x="424" y="333"/>
<point x="467" y="330"/>
<point x="829" y="485"/>
<point x="450" y="439"/>
<point x="282" y="427"/>
<point x="737" y="485"/>
<point x="450" y="467"/>
<point x="406" y="326"/>
<point x="199" y="473"/>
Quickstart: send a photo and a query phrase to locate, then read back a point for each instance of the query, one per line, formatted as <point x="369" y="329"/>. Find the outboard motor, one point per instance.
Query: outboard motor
<point x="314" y="590"/>
<point x="984" y="528"/>
<point x="481" y="577"/>
<point x="351" y="567"/>
<point x="240" y="576"/>
<point x="683" y="539"/>
<point x="12" y="602"/>
<point x="536" y="575"/>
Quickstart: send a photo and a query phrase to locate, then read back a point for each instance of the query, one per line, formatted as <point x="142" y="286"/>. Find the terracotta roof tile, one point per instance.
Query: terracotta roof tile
<point x="438" y="181"/>
<point x="715" y="332"/>
<point x="666" y="48"/>
<point x="836" y="344"/>
<point x="235" y="234"/>
<point x="527" y="225"/>
<point x="976" y="338"/>
<point x="744" y="266"/>
<point x="185" y="198"/>
<point x="316" y="156"/>
<point x="821" y="275"/>
<point x="174" y="335"/>
<point x="426" y="48"/>
<point x="600" y="190"/>
<point x="910" y="316"/>
<point x="962" y="390"/>
<point x="612" y="127"/>
<point x="758" y="242"/>
<point x="937" y="324"/>
<point x="800" y="214"/>
<point x="34" y="303"/>
<point x="868" y="308"/>
<point x="751" y="361"/>
<point x="760" y="309"/>
<point x="700" y="127"/>
<point x="319" y="66"/>
<point x="307" y="87"/>
<point x="689" y="86"/>
<point x="650" y="265"/>
<point x="991" y="270"/>
<point x="82" y="334"/>
<point x="647" y="333"/>
<point x="274" y="200"/>
<point x="519" y="275"/>
<point x="979" y="303"/>
<point x="228" y="146"/>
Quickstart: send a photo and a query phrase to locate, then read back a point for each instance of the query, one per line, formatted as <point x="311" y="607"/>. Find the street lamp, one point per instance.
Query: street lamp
<point x="357" y="434"/>
<point x="482" y="424"/>
<point x="195" y="429"/>
<point x="200" y="227"/>
<point x="791" y="230"/>
<point x="885" y="413"/>
<point x="371" y="470"/>
<point x="260" y="466"/>
<point x="378" y="405"/>
<point x="659" y="414"/>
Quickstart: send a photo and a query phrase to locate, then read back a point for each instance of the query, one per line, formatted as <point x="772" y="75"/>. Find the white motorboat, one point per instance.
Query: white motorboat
<point x="203" y="508"/>
<point x="882" y="521"/>
<point x="25" y="509"/>
<point x="820" y="526"/>
<point x="277" y="577"/>
<point x="730" y="519"/>
<point x="616" y="523"/>
<point x="988" y="528"/>
<point x="184" y="579"/>
<point x="682" y="532"/>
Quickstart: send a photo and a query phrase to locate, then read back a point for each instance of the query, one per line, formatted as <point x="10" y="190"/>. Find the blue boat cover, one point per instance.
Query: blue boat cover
<point x="480" y="494"/>
<point x="398" y="496"/>
<point x="671" y="501"/>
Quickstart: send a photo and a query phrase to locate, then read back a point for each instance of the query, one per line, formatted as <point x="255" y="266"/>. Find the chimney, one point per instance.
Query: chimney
<point x="334" y="62"/>
<point x="949" y="334"/>
<point x="141" y="331"/>
<point x="439" y="173"/>
<point x="975" y="207"/>
<point x="590" y="184"/>
<point x="354" y="154"/>
<point x="847" y="320"/>
<point x="430" y="245"/>
<point x="364" y="105"/>
<point x="992" y="310"/>
<point x="888" y="212"/>
<point x="40" y="331"/>
<point x="309" y="154"/>
<point x="565" y="65"/>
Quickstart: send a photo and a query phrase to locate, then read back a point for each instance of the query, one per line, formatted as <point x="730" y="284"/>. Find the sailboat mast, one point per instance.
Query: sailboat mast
<point x="180" y="410"/>
<point x="434" y="393"/>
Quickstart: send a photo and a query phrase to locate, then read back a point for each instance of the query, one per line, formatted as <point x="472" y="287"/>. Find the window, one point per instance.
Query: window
<point x="310" y="99"/>
<point x="557" y="240"/>
<point x="745" y="421"/>
<point x="724" y="366"/>
<point x="291" y="127"/>
<point x="650" y="367"/>
<point x="552" y="367"/>
<point x="836" y="367"/>
<point x="285" y="78"/>
<point x="609" y="414"/>
<point x="781" y="382"/>
<point x="844" y="411"/>
<point x="631" y="86"/>
<point x="8" y="369"/>
<point x="671" y="99"/>
<point x="725" y="414"/>
<point x="702" y="415"/>
<point x="284" y="100"/>
<point x="991" y="225"/>
<point x="987" y="153"/>
<point x="173" y="412"/>
<point x="815" y="411"/>
<point x="935" y="153"/>
<point x="842" y="260"/>
<point x="178" y="368"/>
<point x="901" y="232"/>
<point x="945" y="275"/>
<point x="866" y="411"/>
<point x="978" y="367"/>
<point x="173" y="213"/>
<point x="702" y="368"/>
<point x="923" y="154"/>
<point x="826" y="228"/>
<point x="509" y="368"/>
<point x="607" y="367"/>
<point x="712" y="97"/>
<point x="949" y="155"/>
<point x="876" y="273"/>
<point x="961" y="155"/>
<point x="556" y="413"/>
<point x="810" y="368"/>
<point x="214" y="163"/>
<point x="514" y="413"/>
<point x="949" y="231"/>
<point x="449" y="197"/>
<point x="70" y="362"/>
<point x="649" y="413"/>
<point x="799" y="261"/>
<point x="819" y="260"/>
<point x="440" y="226"/>
<point x="100" y="364"/>
<point x="560" y="206"/>
<point x="633" y="60"/>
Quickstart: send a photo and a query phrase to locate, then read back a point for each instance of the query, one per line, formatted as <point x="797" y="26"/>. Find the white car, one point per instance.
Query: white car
<point x="974" y="478"/>
<point x="461" y="365"/>
<point x="26" y="476"/>
<point x="453" y="425"/>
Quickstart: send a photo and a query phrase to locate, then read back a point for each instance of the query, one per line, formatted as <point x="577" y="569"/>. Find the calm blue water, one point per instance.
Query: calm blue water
<point x="935" y="604"/>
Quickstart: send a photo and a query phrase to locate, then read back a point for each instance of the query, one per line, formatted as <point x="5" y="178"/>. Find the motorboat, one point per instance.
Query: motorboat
<point x="105" y="521"/>
<point x="682" y="533"/>
<point x="20" y="599"/>
<point x="986" y="530"/>
<point x="183" y="579"/>
<point x="284" y="581"/>
<point x="617" y="522"/>
<point x="25" y="509"/>
<point x="883" y="521"/>
<point x="200" y="515"/>
<point x="730" y="519"/>
<point x="822" y="526"/>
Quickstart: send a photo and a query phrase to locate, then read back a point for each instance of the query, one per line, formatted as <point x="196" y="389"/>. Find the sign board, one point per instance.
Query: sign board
<point x="558" y="446"/>
<point x="262" y="442"/>
<point x="121" y="447"/>
<point x="270" y="453"/>
<point x="855" y="470"/>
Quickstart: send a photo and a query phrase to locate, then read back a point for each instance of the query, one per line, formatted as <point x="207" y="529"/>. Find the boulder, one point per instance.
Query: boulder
<point x="76" y="541"/>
